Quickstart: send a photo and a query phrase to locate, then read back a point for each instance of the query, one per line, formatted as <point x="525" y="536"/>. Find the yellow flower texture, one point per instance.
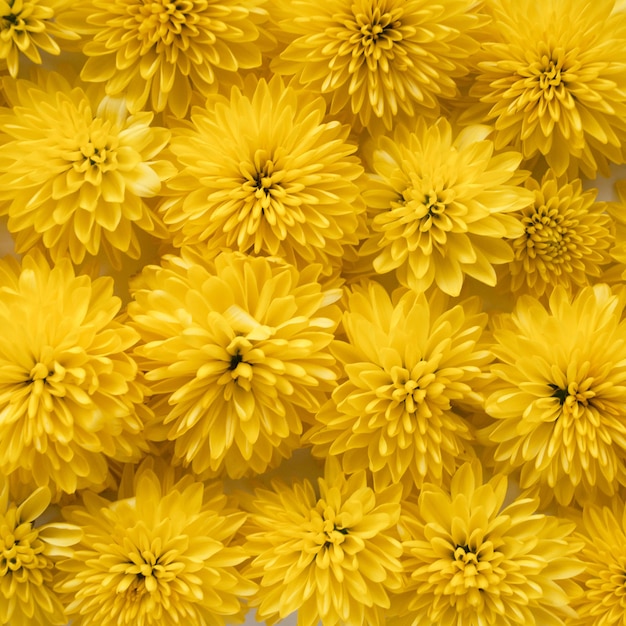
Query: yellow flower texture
<point x="475" y="561"/>
<point x="68" y="389"/>
<point x="440" y="206"/>
<point x="409" y="363"/>
<point x="28" y="27"/>
<point x="561" y="393"/>
<point x="96" y="167"/>
<point x="162" y="554"/>
<point x="379" y="58"/>
<point x="161" y="53"/>
<point x="29" y="550"/>
<point x="277" y="180"/>
<point x="566" y="237"/>
<point x="330" y="553"/>
<point x="553" y="78"/>
<point x="236" y="350"/>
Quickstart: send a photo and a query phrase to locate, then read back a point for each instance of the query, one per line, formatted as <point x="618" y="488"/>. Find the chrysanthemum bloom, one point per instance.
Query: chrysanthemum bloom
<point x="380" y="57"/>
<point x="96" y="167"/>
<point x="553" y="80"/>
<point x="603" y="602"/>
<point x="28" y="27"/>
<point x="28" y="552"/>
<point x="560" y="397"/>
<point x="439" y="206"/>
<point x="277" y="179"/>
<point x="237" y="351"/>
<point x="472" y="560"/>
<point x="68" y="389"/>
<point x="330" y="553"/>
<point x="160" y="557"/>
<point x="565" y="240"/>
<point x="408" y="363"/>
<point x="161" y="52"/>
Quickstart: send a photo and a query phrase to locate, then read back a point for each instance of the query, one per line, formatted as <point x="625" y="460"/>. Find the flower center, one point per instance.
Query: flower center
<point x="164" y="21"/>
<point x="96" y="151"/>
<point x="13" y="21"/>
<point x="550" y="76"/>
<point x="411" y="388"/>
<point x="20" y="548"/>
<point x="575" y="398"/>
<point x="377" y="31"/>
<point x="548" y="234"/>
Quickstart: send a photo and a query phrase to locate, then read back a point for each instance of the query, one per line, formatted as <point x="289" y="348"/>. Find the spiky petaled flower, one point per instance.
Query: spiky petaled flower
<point x="237" y="351"/>
<point x="409" y="363"/>
<point x="278" y="179"/>
<point x="565" y="240"/>
<point x="159" y="53"/>
<point x="29" y="550"/>
<point x="379" y="58"/>
<point x="96" y="167"/>
<point x="68" y="390"/>
<point x="560" y="394"/>
<point x="161" y="555"/>
<point x="29" y="27"/>
<point x="330" y="553"/>
<point x="439" y="206"/>
<point x="474" y="560"/>
<point x="553" y="82"/>
<point x="603" y="531"/>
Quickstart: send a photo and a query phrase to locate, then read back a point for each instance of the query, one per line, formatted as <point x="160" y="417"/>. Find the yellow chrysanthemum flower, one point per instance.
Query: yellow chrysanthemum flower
<point x="30" y="26"/>
<point x="379" y="58"/>
<point x="554" y="77"/>
<point x="603" y="531"/>
<point x="161" y="556"/>
<point x="237" y="352"/>
<point x="277" y="180"/>
<point x="565" y="240"/>
<point x="163" y="53"/>
<point x="331" y="553"/>
<point x="68" y="389"/>
<point x="439" y="206"/>
<point x="409" y="363"/>
<point x="96" y="167"/>
<point x="29" y="550"/>
<point x="560" y="394"/>
<point x="472" y="560"/>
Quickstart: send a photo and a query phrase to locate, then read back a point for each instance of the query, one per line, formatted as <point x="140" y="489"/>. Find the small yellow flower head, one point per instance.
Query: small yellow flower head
<point x="159" y="53"/>
<point x="30" y="26"/>
<point x="379" y="58"/>
<point x="331" y="553"/>
<point x="68" y="389"/>
<point x="554" y="77"/>
<point x="162" y="556"/>
<point x="439" y="206"/>
<point x="560" y="394"/>
<point x="565" y="240"/>
<point x="96" y="168"/>
<point x="29" y="550"/>
<point x="276" y="180"/>
<point x="236" y="350"/>
<point x="409" y="363"/>
<point x="472" y="560"/>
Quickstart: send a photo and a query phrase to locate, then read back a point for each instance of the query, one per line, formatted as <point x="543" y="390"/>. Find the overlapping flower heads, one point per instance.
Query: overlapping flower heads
<point x="316" y="309"/>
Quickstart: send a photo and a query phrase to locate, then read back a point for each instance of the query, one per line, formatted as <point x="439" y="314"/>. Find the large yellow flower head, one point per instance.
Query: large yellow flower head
<point x="475" y="561"/>
<point x="96" y="167"/>
<point x="28" y="27"/>
<point x="161" y="53"/>
<point x="379" y="58"/>
<point x="560" y="394"/>
<point x="330" y="553"/>
<point x="277" y="178"/>
<point x="29" y="550"/>
<point x="554" y="77"/>
<point x="68" y="389"/>
<point x="566" y="237"/>
<point x="162" y="554"/>
<point x="409" y="363"/>
<point x="236" y="350"/>
<point x="439" y="206"/>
